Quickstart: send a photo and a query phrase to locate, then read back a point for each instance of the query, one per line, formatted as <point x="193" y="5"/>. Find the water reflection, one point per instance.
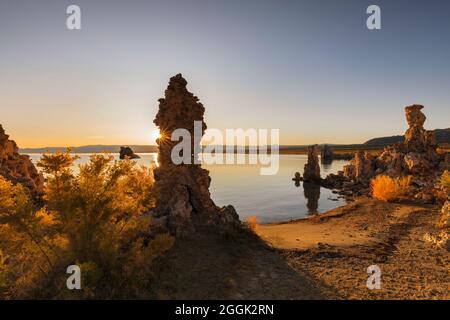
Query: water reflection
<point x="269" y="198"/>
<point x="311" y="192"/>
<point x="326" y="164"/>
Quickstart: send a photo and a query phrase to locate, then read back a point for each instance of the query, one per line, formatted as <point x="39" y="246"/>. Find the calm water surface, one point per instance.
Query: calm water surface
<point x="269" y="198"/>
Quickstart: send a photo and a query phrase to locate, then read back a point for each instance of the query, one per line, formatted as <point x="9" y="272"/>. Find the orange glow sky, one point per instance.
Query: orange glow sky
<point x="309" y="68"/>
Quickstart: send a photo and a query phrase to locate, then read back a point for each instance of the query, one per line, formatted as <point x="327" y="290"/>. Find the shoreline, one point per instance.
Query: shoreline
<point x="338" y="246"/>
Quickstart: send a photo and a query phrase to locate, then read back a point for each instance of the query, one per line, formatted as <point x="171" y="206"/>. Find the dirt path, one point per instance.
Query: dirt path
<point x="336" y="248"/>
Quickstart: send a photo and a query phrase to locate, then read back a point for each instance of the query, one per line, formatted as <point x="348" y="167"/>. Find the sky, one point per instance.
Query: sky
<point x="311" y="69"/>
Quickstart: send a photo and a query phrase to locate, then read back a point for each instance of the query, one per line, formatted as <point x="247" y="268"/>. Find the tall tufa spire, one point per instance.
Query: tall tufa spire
<point x="183" y="200"/>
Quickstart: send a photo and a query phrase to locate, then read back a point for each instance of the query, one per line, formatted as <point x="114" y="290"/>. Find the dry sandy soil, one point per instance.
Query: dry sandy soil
<point x="323" y="257"/>
<point x="212" y="266"/>
<point x="337" y="247"/>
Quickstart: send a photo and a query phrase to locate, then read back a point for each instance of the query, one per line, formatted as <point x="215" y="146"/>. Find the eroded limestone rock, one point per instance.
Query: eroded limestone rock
<point x="297" y="177"/>
<point x="127" y="152"/>
<point x="417" y="139"/>
<point x="417" y="156"/>
<point x="361" y="167"/>
<point x="183" y="199"/>
<point x="311" y="171"/>
<point x="18" y="168"/>
<point x="390" y="162"/>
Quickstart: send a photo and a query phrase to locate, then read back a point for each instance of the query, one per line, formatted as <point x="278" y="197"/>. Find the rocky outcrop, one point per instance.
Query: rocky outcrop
<point x="417" y="139"/>
<point x="361" y="167"/>
<point x="183" y="202"/>
<point x="442" y="238"/>
<point x="297" y="177"/>
<point x="18" y="168"/>
<point x="390" y="161"/>
<point x="127" y="152"/>
<point x="416" y="156"/>
<point x="311" y="172"/>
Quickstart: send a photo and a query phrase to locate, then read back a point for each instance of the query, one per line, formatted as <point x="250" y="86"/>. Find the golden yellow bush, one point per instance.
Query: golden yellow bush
<point x="252" y="223"/>
<point x="95" y="219"/>
<point x="15" y="204"/>
<point x="389" y="189"/>
<point x="24" y="241"/>
<point x="445" y="179"/>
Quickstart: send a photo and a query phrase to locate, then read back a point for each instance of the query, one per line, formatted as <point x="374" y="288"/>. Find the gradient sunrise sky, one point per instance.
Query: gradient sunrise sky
<point x="309" y="68"/>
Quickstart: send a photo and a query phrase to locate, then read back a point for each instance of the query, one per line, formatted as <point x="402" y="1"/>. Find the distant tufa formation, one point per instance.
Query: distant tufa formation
<point x="18" y="168"/>
<point x="183" y="201"/>
<point x="127" y="152"/>
<point x="311" y="172"/>
<point x="326" y="154"/>
<point x="416" y="156"/>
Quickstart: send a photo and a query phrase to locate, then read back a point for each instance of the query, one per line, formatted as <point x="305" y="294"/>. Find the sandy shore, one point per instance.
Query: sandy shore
<point x="336" y="248"/>
<point x="322" y="257"/>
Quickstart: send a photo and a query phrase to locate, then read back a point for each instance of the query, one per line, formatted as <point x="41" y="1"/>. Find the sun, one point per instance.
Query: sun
<point x="156" y="134"/>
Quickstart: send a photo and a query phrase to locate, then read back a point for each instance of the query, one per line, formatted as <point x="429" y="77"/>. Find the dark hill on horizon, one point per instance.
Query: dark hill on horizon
<point x="92" y="149"/>
<point x="442" y="136"/>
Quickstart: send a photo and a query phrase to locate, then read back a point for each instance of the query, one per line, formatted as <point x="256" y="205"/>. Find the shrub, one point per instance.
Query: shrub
<point x="95" y="219"/>
<point x="445" y="179"/>
<point x="28" y="250"/>
<point x="252" y="223"/>
<point x="100" y="202"/>
<point x="389" y="189"/>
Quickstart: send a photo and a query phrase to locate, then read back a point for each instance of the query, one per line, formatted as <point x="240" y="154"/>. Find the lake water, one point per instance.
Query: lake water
<point x="270" y="198"/>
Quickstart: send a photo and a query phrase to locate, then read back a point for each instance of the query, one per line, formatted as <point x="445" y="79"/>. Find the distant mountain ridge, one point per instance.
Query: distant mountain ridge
<point x="442" y="136"/>
<point x="91" y="149"/>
